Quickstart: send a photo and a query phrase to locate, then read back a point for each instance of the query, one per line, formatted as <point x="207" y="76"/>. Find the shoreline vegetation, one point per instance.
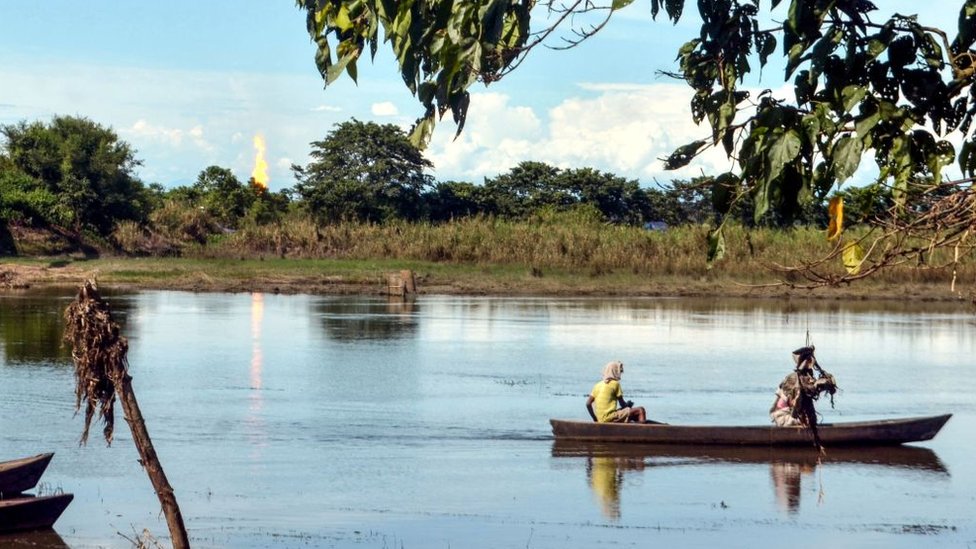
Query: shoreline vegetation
<point x="483" y="257"/>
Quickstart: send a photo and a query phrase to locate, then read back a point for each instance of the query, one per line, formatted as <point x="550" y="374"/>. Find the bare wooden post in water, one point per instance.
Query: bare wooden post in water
<point x="102" y="372"/>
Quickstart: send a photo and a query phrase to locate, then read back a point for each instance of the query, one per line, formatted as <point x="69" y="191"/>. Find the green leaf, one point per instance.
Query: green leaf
<point x="852" y="95"/>
<point x="847" y="156"/>
<point x="766" y="43"/>
<point x="942" y="156"/>
<point x="683" y="155"/>
<point x="336" y="70"/>
<point x="967" y="158"/>
<point x="864" y="124"/>
<point x="967" y="27"/>
<point x="875" y="48"/>
<point x="618" y="4"/>
<point x="811" y="127"/>
<point x="342" y="21"/>
<point x="716" y="246"/>
<point x="422" y="130"/>
<point x="783" y="149"/>
<point x="723" y="191"/>
<point x="760" y="198"/>
<point x="674" y="9"/>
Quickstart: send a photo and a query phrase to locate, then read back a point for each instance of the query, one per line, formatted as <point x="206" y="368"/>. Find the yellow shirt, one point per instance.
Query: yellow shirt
<point x="605" y="397"/>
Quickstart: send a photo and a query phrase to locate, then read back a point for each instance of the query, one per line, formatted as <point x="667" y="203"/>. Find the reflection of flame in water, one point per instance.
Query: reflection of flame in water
<point x="256" y="432"/>
<point x="260" y="171"/>
<point x="257" y="316"/>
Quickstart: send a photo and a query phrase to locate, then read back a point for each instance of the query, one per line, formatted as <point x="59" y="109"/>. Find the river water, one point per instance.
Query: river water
<point x="322" y="421"/>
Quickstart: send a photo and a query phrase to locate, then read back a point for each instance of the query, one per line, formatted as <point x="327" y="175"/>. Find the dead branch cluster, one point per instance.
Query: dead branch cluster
<point x="99" y="354"/>
<point x="940" y="218"/>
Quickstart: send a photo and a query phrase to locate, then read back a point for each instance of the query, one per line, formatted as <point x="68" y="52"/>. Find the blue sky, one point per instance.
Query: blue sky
<point x="188" y="84"/>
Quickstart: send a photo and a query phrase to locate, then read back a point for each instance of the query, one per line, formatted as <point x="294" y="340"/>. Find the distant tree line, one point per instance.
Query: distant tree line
<point x="75" y="175"/>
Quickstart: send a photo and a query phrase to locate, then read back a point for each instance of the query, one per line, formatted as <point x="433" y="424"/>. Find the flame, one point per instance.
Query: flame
<point x="260" y="172"/>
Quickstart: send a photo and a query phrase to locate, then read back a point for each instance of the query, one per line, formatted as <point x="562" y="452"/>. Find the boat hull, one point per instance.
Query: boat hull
<point x="20" y="475"/>
<point x="857" y="433"/>
<point x="31" y="513"/>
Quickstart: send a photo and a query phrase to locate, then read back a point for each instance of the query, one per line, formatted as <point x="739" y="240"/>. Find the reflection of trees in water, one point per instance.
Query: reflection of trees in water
<point x="606" y="476"/>
<point x="31" y="326"/>
<point x="354" y="318"/>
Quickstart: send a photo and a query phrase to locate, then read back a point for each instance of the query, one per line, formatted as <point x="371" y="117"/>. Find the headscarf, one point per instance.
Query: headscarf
<point x="612" y="371"/>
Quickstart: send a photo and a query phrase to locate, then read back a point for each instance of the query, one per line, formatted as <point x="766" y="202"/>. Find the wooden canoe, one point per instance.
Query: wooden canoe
<point x="855" y="433"/>
<point x="20" y="475"/>
<point x="31" y="513"/>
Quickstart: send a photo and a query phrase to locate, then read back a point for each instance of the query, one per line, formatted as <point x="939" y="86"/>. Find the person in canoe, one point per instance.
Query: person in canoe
<point x="606" y="403"/>
<point x="798" y="390"/>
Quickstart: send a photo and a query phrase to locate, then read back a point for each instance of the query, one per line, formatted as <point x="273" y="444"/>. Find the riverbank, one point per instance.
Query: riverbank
<point x="317" y="276"/>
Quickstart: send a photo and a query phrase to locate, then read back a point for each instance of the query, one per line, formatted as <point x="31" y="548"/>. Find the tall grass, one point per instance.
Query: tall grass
<point x="558" y="243"/>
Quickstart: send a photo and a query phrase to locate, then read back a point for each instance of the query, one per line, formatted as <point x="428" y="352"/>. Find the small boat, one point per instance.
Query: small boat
<point x="20" y="475"/>
<point x="854" y="433"/>
<point x="28" y="512"/>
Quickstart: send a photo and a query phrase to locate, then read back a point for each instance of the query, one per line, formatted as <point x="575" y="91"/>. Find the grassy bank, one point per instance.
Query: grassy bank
<point x="490" y="256"/>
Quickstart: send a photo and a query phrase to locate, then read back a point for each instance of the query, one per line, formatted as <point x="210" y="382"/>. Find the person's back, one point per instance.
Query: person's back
<point x="607" y="395"/>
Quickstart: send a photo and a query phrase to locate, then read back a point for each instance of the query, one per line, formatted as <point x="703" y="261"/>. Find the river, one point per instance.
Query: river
<point x="350" y="421"/>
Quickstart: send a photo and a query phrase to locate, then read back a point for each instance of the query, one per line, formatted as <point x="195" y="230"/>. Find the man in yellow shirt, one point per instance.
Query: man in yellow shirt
<point x="607" y="395"/>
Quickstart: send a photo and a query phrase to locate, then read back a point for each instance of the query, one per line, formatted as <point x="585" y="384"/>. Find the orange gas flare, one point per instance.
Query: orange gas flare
<point x="260" y="172"/>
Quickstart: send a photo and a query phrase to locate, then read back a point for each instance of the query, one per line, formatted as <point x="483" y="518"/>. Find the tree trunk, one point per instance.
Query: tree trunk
<point x="147" y="454"/>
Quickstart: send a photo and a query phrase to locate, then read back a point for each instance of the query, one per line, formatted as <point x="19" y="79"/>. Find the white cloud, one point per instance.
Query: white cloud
<point x="384" y="108"/>
<point x="173" y="137"/>
<point x="284" y="163"/>
<point x="623" y="129"/>
<point x="327" y="108"/>
<point x="496" y="137"/>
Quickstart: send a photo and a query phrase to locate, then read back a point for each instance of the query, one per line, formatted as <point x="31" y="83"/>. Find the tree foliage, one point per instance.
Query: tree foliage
<point x="532" y="186"/>
<point x="221" y="194"/>
<point x="442" y="47"/>
<point x="891" y="90"/>
<point x="71" y="172"/>
<point x="363" y="171"/>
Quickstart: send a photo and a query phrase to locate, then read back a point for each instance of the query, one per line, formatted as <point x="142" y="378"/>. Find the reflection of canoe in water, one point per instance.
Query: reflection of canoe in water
<point x="907" y="457"/>
<point x="36" y="539"/>
<point x="20" y="475"/>
<point x="31" y="513"/>
<point x="855" y="433"/>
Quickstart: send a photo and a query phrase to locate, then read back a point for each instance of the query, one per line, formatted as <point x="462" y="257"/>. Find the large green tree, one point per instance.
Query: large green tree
<point x="890" y="90"/>
<point x="531" y="186"/>
<point x="223" y="195"/>
<point x="72" y="172"/>
<point x="363" y="171"/>
<point x="449" y="200"/>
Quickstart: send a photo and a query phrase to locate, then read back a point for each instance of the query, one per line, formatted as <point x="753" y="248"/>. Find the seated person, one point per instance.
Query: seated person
<point x="607" y="397"/>
<point x="794" y="397"/>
